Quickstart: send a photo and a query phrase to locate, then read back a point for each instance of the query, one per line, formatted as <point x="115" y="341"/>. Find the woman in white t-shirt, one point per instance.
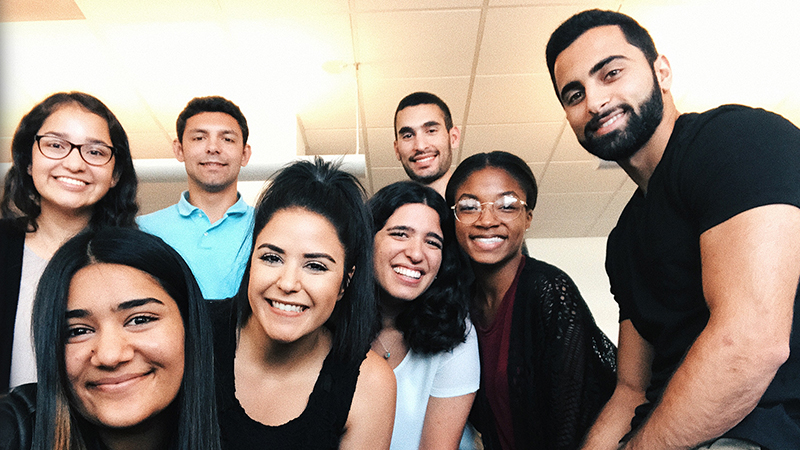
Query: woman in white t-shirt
<point x="425" y="333"/>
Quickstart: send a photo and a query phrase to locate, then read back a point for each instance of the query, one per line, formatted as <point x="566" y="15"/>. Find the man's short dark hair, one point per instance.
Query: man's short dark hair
<point x="584" y="21"/>
<point x="424" y="98"/>
<point x="211" y="104"/>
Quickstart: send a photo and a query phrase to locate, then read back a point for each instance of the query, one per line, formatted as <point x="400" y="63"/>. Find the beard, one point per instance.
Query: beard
<point x="623" y="143"/>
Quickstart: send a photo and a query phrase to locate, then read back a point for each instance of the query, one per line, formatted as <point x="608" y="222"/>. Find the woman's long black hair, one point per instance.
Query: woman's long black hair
<point x="321" y="187"/>
<point x="436" y="320"/>
<point x="21" y="200"/>
<point x="58" y="424"/>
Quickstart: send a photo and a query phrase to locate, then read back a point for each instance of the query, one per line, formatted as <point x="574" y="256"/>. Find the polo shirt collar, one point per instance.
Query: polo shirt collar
<point x="186" y="209"/>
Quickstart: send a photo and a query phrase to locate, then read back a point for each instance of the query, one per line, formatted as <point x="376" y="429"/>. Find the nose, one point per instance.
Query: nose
<point x="212" y="145"/>
<point x="486" y="217"/>
<point x="111" y="349"/>
<point x="289" y="279"/>
<point x="597" y="97"/>
<point x="414" y="250"/>
<point x="74" y="162"/>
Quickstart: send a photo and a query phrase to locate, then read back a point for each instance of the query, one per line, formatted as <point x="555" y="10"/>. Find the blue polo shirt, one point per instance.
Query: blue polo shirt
<point x="217" y="253"/>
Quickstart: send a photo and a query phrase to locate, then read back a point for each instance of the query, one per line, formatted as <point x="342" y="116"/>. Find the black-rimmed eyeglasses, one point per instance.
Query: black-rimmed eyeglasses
<point x="93" y="153"/>
<point x="505" y="208"/>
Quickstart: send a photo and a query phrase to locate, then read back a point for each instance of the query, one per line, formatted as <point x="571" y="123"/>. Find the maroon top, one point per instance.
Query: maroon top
<point x="493" y="342"/>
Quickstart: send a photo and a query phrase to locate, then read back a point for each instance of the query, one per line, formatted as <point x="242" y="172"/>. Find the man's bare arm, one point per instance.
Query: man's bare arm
<point x="751" y="266"/>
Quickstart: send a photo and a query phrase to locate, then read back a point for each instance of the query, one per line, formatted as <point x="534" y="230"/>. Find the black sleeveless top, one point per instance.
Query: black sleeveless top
<point x="319" y="426"/>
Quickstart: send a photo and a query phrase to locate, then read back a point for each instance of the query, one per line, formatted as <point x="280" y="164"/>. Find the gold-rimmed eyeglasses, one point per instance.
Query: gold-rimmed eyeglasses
<point x="93" y="153"/>
<point x="506" y="208"/>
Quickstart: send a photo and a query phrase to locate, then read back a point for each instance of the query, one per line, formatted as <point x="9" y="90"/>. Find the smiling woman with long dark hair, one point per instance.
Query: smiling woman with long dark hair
<point x="124" y="356"/>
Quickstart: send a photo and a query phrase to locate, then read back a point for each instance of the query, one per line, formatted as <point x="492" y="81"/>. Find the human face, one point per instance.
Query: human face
<point x="610" y="93"/>
<point x="408" y="251"/>
<point x="125" y="345"/>
<point x="296" y="275"/>
<point x="423" y="144"/>
<point x="70" y="185"/>
<point x="213" y="151"/>
<point x="488" y="240"/>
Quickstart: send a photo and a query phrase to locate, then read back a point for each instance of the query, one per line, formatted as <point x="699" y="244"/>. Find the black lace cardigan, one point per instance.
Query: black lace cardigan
<point x="561" y="367"/>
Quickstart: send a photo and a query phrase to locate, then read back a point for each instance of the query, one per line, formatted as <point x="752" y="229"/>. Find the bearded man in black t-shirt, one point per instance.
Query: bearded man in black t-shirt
<point x="705" y="259"/>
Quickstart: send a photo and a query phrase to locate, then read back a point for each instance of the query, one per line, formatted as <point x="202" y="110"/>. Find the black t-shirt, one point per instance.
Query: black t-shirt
<point x="717" y="164"/>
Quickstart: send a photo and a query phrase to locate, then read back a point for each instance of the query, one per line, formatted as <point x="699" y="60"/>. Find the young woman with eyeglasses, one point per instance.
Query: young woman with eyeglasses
<point x="546" y="368"/>
<point x="71" y="170"/>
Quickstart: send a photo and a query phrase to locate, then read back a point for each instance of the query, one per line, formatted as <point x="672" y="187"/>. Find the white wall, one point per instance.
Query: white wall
<point x="583" y="259"/>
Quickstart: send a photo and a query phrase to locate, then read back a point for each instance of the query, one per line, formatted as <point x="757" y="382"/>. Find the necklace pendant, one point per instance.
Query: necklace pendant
<point x="386" y="355"/>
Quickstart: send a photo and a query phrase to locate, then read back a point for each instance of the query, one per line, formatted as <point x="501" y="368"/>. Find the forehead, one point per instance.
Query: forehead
<point x="419" y="114"/>
<point x="305" y="230"/>
<point x="102" y="286"/>
<point x="212" y="121"/>
<point x="417" y="215"/>
<point x="489" y="183"/>
<point x="71" y="115"/>
<point x="593" y="46"/>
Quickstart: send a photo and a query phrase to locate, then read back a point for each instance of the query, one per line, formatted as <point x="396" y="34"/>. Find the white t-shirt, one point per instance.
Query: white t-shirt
<point x="23" y="359"/>
<point x="445" y="374"/>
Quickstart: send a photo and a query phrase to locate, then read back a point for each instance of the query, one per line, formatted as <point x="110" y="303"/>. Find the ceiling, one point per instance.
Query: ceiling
<point x="485" y="58"/>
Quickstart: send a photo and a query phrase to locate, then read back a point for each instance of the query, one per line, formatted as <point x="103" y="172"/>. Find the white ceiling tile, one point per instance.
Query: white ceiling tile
<point x="148" y="10"/>
<point x="270" y="9"/>
<point x="577" y="206"/>
<point x="583" y="176"/>
<point x="568" y="147"/>
<point x="394" y="5"/>
<point x="381" y="147"/>
<point x="381" y="96"/>
<point x="331" y="141"/>
<point x="150" y="145"/>
<point x="533" y="142"/>
<point x="414" y="43"/>
<point x="515" y="38"/>
<point x="382" y="177"/>
<point x="552" y="4"/>
<point x="514" y="99"/>
<point x="542" y="229"/>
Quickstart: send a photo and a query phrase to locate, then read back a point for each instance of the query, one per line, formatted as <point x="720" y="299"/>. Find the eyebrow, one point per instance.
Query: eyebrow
<point x="124" y="306"/>
<point x="65" y="137"/>
<point x="572" y="85"/>
<point x="281" y="251"/>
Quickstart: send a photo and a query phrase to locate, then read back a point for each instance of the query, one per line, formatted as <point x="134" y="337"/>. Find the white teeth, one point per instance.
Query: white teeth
<point x="71" y="181"/>
<point x="289" y="308"/>
<point x="415" y="274"/>
<point x="611" y="120"/>
<point x="491" y="240"/>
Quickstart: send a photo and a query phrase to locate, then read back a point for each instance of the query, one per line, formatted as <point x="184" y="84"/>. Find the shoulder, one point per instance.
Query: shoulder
<point x="17" y="413"/>
<point x="10" y="230"/>
<point x="543" y="271"/>
<point x="375" y="373"/>
<point x="148" y="222"/>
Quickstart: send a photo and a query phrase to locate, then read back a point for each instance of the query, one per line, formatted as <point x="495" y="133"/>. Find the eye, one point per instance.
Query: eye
<point x="507" y="203"/>
<point x="613" y="73"/>
<point x="573" y="98"/>
<point x="77" y="331"/>
<point x="435" y="243"/>
<point x="406" y="135"/>
<point x="468" y="206"/>
<point x="316" y="266"/>
<point x="271" y="259"/>
<point x="399" y="234"/>
<point x="433" y="130"/>
<point x="141" y="319"/>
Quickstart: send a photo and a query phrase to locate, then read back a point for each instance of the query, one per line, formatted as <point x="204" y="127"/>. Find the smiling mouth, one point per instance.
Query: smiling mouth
<point x="424" y="158"/>
<point x="71" y="181"/>
<point x="119" y="382"/>
<point x="415" y="274"/>
<point x="287" y="307"/>
<point x="602" y="124"/>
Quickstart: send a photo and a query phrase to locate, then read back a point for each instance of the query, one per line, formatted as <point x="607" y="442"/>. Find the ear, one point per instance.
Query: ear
<point x="346" y="283"/>
<point x="29" y="169"/>
<point x="455" y="137"/>
<point x="396" y="151"/>
<point x="528" y="218"/>
<point x="663" y="72"/>
<point x="177" y="149"/>
<point x="246" y="153"/>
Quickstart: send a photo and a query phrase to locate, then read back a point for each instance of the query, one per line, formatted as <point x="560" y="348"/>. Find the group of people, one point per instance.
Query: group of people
<point x="413" y="319"/>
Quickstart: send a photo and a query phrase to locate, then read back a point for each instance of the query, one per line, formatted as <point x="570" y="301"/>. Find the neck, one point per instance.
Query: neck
<point x="389" y="308"/>
<point x="440" y="185"/>
<point x="154" y="433"/>
<point x="493" y="281"/>
<point x="54" y="228"/>
<point x="260" y="350"/>
<point x="214" y="204"/>
<point x="641" y="165"/>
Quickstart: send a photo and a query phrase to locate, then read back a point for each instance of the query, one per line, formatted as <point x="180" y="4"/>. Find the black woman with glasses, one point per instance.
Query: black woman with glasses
<point x="546" y="368"/>
<point x="72" y="170"/>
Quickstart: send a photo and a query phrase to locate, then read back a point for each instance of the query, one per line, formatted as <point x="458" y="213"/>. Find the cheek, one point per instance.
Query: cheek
<point x="435" y="261"/>
<point x="75" y="360"/>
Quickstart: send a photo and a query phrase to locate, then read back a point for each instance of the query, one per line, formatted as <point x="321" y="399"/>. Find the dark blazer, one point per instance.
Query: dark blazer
<point x="12" y="241"/>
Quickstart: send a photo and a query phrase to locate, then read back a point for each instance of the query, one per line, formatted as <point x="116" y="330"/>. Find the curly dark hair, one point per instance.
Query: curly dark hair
<point x="436" y="320"/>
<point x="21" y="200"/>
<point x="321" y="187"/>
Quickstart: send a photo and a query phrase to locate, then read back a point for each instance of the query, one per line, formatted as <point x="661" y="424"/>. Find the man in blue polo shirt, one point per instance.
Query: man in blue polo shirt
<point x="210" y="226"/>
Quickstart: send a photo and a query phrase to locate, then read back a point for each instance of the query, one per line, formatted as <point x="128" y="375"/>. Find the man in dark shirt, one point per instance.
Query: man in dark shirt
<point x="705" y="259"/>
